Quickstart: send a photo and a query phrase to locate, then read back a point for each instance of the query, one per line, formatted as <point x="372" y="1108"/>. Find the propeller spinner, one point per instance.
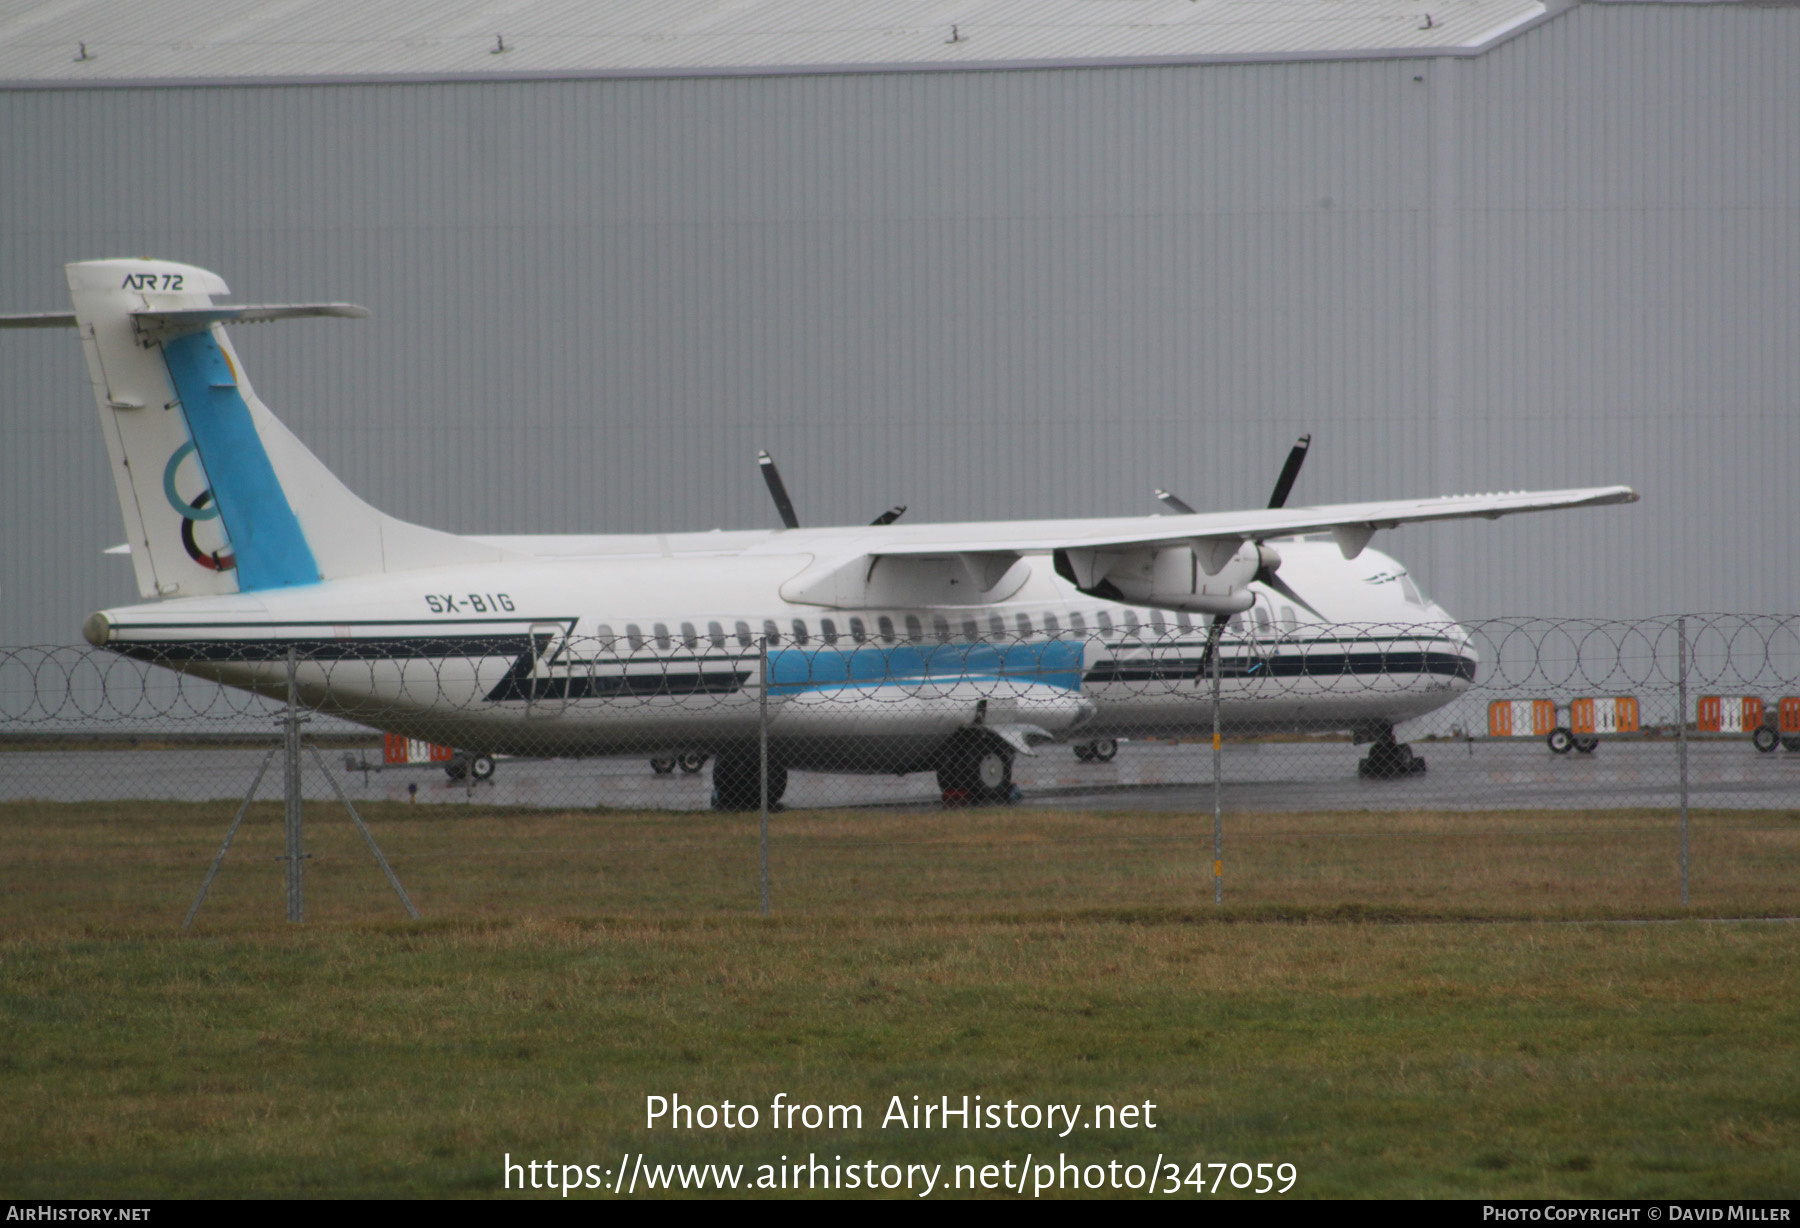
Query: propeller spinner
<point x="1265" y="574"/>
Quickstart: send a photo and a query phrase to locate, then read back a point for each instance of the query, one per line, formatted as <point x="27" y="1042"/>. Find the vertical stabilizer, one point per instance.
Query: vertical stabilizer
<point x="218" y="496"/>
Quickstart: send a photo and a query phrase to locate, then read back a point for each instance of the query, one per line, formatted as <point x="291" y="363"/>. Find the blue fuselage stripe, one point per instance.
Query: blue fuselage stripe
<point x="1054" y="664"/>
<point x="271" y="550"/>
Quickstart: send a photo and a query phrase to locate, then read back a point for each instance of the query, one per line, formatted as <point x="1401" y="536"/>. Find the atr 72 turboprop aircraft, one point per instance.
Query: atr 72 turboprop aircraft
<point x="889" y="648"/>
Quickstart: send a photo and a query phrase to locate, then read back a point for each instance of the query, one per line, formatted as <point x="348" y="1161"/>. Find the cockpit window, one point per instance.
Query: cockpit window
<point x="1411" y="592"/>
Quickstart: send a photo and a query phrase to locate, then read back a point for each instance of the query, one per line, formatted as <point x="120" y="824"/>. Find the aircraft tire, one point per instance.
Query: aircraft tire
<point x="1084" y="751"/>
<point x="1765" y="739"/>
<point x="1104" y="749"/>
<point x="1587" y="746"/>
<point x="977" y="772"/>
<point x="691" y="762"/>
<point x="1790" y="744"/>
<point x="1560" y="741"/>
<point x="737" y="783"/>
<point x="481" y="767"/>
<point x="1389" y="760"/>
<point x="662" y="765"/>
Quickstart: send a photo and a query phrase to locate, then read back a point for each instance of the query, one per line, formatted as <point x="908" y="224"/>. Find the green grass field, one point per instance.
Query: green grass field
<point x="1397" y="1005"/>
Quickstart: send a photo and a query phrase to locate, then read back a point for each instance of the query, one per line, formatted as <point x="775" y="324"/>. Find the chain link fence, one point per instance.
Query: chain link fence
<point x="1223" y="723"/>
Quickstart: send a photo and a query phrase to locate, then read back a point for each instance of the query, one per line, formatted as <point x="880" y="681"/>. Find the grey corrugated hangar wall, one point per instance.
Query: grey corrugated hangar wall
<point x="1572" y="260"/>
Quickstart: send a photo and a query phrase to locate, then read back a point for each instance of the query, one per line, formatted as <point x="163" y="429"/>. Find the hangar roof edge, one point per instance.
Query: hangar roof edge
<point x="60" y="44"/>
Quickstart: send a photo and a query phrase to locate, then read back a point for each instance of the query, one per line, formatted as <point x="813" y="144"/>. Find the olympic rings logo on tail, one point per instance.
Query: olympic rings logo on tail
<point x="201" y="507"/>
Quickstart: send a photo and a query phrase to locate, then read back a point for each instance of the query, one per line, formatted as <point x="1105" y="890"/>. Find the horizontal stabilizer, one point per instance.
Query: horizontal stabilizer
<point x="180" y="318"/>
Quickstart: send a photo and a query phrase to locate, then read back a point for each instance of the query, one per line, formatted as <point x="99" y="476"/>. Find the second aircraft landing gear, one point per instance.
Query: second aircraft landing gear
<point x="466" y="763"/>
<point x="1389" y="760"/>
<point x="1100" y="750"/>
<point x="1561" y="742"/>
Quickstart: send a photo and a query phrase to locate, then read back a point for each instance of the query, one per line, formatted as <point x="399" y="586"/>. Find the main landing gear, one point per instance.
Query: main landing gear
<point x="468" y="763"/>
<point x="1388" y="759"/>
<point x="976" y="770"/>
<point x="1100" y="750"/>
<point x="737" y="781"/>
<point x="1561" y="742"/>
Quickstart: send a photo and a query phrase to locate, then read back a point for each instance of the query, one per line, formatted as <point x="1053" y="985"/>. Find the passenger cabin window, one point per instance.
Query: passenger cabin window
<point x="743" y="633"/>
<point x="1105" y="621"/>
<point x="1052" y="627"/>
<point x="914" y="630"/>
<point x="689" y="638"/>
<point x="886" y="626"/>
<point x="1262" y="617"/>
<point x="771" y="635"/>
<point x="716" y="634"/>
<point x="940" y="628"/>
<point x="1023" y="622"/>
<point x="1077" y="623"/>
<point x="604" y="633"/>
<point x="1131" y="622"/>
<point x="1158" y="623"/>
<point x="662" y="635"/>
<point x="1288" y="621"/>
<point x="996" y="627"/>
<point x="634" y="635"/>
<point x="971" y="630"/>
<point x="1184" y="620"/>
<point x="828" y="631"/>
<point x="800" y="631"/>
<point x="858" y="632"/>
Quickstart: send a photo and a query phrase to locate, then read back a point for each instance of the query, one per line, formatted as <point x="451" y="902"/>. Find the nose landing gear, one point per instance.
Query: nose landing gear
<point x="1388" y="759"/>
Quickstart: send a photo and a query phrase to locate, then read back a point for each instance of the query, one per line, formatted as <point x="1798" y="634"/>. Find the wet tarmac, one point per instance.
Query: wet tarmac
<point x="1483" y="775"/>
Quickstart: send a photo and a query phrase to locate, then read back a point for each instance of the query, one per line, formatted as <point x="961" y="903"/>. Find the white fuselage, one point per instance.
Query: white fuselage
<point x="652" y="644"/>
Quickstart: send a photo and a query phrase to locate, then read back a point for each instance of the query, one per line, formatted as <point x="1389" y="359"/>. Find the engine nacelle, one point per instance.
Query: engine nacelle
<point x="1205" y="576"/>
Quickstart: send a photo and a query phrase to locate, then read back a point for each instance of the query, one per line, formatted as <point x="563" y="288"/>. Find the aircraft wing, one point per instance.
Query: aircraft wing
<point x="1201" y="561"/>
<point x="1350" y="523"/>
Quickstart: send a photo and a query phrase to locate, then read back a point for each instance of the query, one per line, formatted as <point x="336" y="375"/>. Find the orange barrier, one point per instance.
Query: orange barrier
<point x="1521" y="718"/>
<point x="396" y="749"/>
<point x="1730" y="713"/>
<point x="1617" y="714"/>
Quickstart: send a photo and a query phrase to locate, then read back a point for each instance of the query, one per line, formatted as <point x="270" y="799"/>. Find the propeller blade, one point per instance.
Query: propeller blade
<point x="1213" y="633"/>
<point x="1281" y="586"/>
<point x="1174" y="503"/>
<point x="1285" y="483"/>
<point x="891" y="515"/>
<point x="777" y="490"/>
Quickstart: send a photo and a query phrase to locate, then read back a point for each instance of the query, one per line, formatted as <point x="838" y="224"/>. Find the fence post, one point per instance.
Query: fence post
<point x="762" y="735"/>
<point x="296" y="905"/>
<point x="1218" y="803"/>
<point x="1681" y="743"/>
